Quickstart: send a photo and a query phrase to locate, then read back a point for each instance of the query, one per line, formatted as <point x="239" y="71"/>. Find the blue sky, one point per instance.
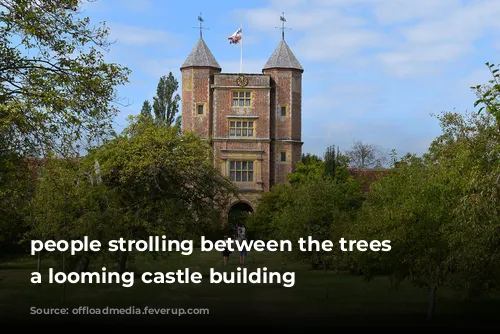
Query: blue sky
<point x="375" y="70"/>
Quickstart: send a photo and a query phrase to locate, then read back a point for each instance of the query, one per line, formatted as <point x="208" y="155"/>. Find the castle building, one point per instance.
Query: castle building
<point x="252" y="120"/>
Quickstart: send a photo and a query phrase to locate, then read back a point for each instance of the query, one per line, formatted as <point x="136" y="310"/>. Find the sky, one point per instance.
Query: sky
<point x="374" y="70"/>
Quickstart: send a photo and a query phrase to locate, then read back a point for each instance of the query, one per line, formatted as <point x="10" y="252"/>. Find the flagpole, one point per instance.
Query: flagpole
<point x="241" y="50"/>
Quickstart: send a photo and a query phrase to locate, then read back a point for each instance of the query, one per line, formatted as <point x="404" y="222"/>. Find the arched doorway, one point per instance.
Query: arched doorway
<point x="238" y="213"/>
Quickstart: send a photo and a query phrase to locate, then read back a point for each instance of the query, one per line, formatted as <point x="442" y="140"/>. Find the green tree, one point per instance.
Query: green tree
<point x="319" y="201"/>
<point x="166" y="101"/>
<point x="488" y="95"/>
<point x="440" y="212"/>
<point x="469" y="151"/>
<point x="55" y="86"/>
<point x="146" y="110"/>
<point x="16" y="189"/>
<point x="167" y="181"/>
<point x="410" y="207"/>
<point x="307" y="169"/>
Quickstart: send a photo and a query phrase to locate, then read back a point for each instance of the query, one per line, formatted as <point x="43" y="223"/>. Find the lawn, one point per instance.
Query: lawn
<point x="316" y="295"/>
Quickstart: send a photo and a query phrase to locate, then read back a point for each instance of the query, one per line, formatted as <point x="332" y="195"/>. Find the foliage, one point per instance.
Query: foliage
<point x="408" y="207"/>
<point x="166" y="101"/>
<point x="146" y="110"/>
<point x="319" y="202"/>
<point x="440" y="211"/>
<point x="166" y="181"/>
<point x="16" y="189"/>
<point x="469" y="152"/>
<point x="488" y="96"/>
<point x="148" y="181"/>
<point x="55" y="86"/>
<point x="306" y="170"/>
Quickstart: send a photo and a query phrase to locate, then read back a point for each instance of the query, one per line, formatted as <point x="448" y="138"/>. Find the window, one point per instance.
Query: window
<point x="241" y="171"/>
<point x="283" y="156"/>
<point x="243" y="128"/>
<point x="200" y="109"/>
<point x="241" y="99"/>
<point x="283" y="111"/>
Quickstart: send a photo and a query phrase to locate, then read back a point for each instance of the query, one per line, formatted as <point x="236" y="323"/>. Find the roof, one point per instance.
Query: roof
<point x="201" y="56"/>
<point x="283" y="57"/>
<point x="368" y="176"/>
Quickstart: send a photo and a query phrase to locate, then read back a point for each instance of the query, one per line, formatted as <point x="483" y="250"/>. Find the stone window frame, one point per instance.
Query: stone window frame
<point x="283" y="154"/>
<point x="196" y="109"/>
<point x="246" y="99"/>
<point x="246" y="168"/>
<point x="286" y="111"/>
<point x="242" y="129"/>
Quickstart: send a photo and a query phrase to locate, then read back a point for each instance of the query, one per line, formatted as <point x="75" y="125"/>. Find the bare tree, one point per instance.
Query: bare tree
<point x="362" y="155"/>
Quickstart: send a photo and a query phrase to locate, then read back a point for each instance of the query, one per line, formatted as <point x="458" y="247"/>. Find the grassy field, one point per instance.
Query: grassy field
<point x="316" y="296"/>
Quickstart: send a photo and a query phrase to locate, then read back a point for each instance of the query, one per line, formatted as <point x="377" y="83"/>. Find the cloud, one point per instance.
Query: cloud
<point x="141" y="36"/>
<point x="437" y="41"/>
<point x="408" y="39"/>
<point x="159" y="67"/>
<point x="132" y="6"/>
<point x="266" y="19"/>
<point x="337" y="45"/>
<point x="249" y="66"/>
<point x="390" y="12"/>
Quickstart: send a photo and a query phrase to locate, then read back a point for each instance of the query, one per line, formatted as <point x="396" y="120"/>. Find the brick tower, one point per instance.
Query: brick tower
<point x="252" y="120"/>
<point x="286" y="111"/>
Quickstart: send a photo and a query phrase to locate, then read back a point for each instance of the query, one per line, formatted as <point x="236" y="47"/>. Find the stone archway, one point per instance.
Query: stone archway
<point x="238" y="212"/>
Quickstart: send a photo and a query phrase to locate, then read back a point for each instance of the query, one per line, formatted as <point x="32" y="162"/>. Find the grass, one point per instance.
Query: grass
<point x="315" y="295"/>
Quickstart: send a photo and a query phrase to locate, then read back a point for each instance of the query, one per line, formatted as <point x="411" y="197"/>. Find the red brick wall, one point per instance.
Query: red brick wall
<point x="286" y="130"/>
<point x="273" y="133"/>
<point x="255" y="148"/>
<point x="196" y="90"/>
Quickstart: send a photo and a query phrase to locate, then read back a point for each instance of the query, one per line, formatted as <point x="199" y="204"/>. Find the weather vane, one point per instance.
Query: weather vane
<point x="200" y="18"/>
<point x="283" y="28"/>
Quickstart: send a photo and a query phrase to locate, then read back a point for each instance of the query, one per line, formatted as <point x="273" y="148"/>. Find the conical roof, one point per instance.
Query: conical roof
<point x="283" y="57"/>
<point x="201" y="56"/>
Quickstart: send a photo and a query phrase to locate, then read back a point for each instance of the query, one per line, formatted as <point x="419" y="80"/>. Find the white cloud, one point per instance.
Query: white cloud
<point x="408" y="38"/>
<point x="140" y="36"/>
<point x="400" y="11"/>
<point x="249" y="66"/>
<point x="159" y="67"/>
<point x="421" y="60"/>
<point x="336" y="45"/>
<point x="133" y="6"/>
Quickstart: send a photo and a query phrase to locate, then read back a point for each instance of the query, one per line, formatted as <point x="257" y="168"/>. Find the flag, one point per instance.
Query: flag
<point x="236" y="37"/>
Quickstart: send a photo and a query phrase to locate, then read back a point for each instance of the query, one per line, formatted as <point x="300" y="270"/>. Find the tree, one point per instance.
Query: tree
<point x="55" y="86"/>
<point x="306" y="169"/>
<point x="410" y="208"/>
<point x="146" y="110"/>
<point x="166" y="101"/>
<point x="319" y="201"/>
<point x="16" y="190"/>
<point x="335" y="164"/>
<point x="440" y="212"/>
<point x="469" y="151"/>
<point x="488" y="96"/>
<point x="167" y="182"/>
<point x="362" y="155"/>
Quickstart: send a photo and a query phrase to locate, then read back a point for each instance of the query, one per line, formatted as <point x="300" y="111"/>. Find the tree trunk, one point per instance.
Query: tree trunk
<point x="83" y="263"/>
<point x="432" y="302"/>
<point x="122" y="265"/>
<point x="327" y="292"/>
<point x="63" y="296"/>
<point x="39" y="264"/>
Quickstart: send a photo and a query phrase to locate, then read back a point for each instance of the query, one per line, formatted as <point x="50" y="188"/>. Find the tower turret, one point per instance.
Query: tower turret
<point x="197" y="76"/>
<point x="286" y="111"/>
